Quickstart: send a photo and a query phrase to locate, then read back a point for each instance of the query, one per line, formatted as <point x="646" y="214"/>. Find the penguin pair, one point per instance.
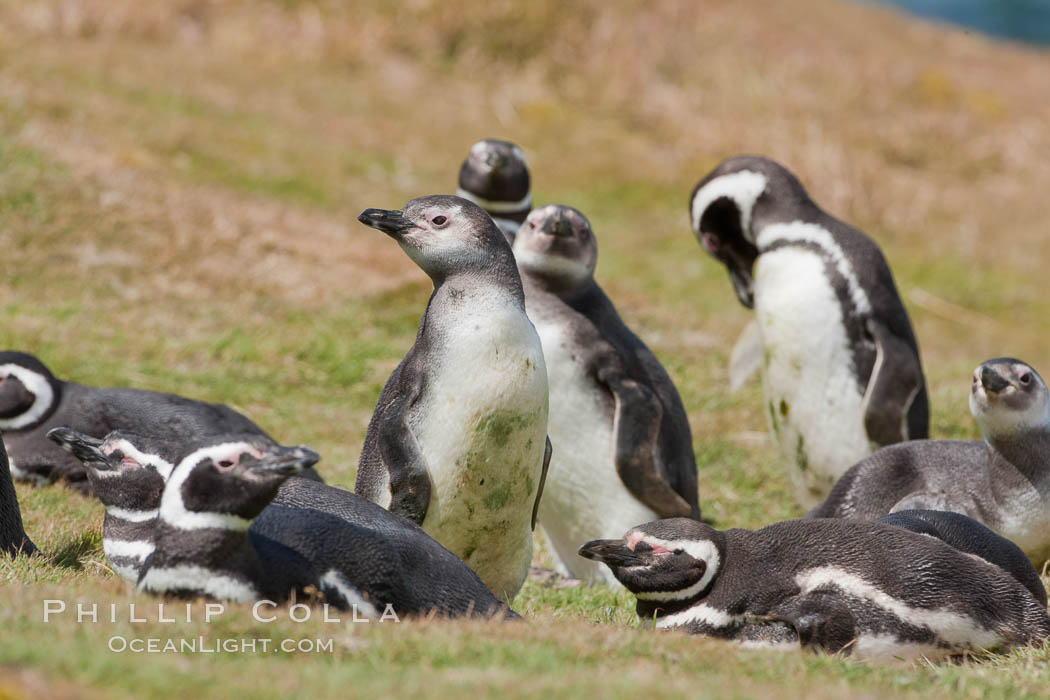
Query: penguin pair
<point x="221" y="517"/>
<point x="1002" y="481"/>
<point x="33" y="401"/>
<point x="429" y="454"/>
<point x="836" y="585"/>
<point x="840" y="364"/>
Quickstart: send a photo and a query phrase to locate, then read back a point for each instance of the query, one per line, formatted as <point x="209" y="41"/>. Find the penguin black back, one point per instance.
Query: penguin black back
<point x="968" y="535"/>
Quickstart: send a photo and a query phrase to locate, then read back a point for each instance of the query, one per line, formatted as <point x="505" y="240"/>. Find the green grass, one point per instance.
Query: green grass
<point x="178" y="192"/>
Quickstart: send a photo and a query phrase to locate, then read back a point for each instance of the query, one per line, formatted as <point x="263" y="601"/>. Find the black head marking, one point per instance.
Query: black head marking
<point x="29" y="392"/>
<point x="496" y="177"/>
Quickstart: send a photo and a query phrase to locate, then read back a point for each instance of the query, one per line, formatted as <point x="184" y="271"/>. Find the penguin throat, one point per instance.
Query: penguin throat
<point x="42" y="391"/>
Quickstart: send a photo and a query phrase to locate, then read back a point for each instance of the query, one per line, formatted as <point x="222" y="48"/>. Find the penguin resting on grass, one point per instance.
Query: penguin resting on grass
<point x="1002" y="481"/>
<point x="33" y="401"/>
<point x="363" y="553"/>
<point x="458" y="440"/>
<point x="870" y="590"/>
<point x="623" y="451"/>
<point x="840" y="364"/>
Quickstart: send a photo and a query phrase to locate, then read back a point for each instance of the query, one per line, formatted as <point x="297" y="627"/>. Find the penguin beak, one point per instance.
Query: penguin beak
<point x="614" y="553"/>
<point x="85" y="448"/>
<point x="992" y="381"/>
<point x="558" y="226"/>
<point x="390" y="221"/>
<point x="743" y="285"/>
<point x="286" y="461"/>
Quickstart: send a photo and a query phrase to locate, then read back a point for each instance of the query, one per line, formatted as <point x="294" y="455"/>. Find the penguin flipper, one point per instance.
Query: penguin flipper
<point x="896" y="382"/>
<point x="547" y="451"/>
<point x="746" y="356"/>
<point x="636" y="426"/>
<point x="822" y="620"/>
<point x="403" y="460"/>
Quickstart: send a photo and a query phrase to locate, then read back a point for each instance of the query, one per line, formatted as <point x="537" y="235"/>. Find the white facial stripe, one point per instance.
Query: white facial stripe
<point x="744" y="188"/>
<point x="952" y="627"/>
<point x="197" y="578"/>
<point x="23" y="475"/>
<point x="172" y="509"/>
<point x="37" y="385"/>
<point x="821" y="237"/>
<point x="702" y="613"/>
<point x="132" y="516"/>
<point x="334" y="579"/>
<point x="135" y="549"/>
<point x="704" y="550"/>
<point x="496" y="206"/>
<point x="162" y="466"/>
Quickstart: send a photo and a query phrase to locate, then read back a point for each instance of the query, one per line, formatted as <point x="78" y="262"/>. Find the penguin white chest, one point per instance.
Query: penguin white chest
<point x="481" y="425"/>
<point x="584" y="498"/>
<point x="813" y="401"/>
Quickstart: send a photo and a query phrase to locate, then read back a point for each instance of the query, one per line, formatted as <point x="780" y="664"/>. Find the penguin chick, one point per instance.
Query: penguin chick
<point x="33" y="401"/>
<point x="1002" y="481"/>
<point x="457" y="442"/>
<point x="840" y="364"/>
<point x="866" y="589"/>
<point x="496" y="178"/>
<point x="623" y="451"/>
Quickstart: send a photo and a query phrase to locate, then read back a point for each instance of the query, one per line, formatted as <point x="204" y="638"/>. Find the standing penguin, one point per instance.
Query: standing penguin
<point x="496" y="178"/>
<point x="841" y="371"/>
<point x="1002" y="481"/>
<point x="867" y="589"/>
<point x="623" y="451"/>
<point x="457" y="442"/>
<point x="33" y="401"/>
<point x="13" y="539"/>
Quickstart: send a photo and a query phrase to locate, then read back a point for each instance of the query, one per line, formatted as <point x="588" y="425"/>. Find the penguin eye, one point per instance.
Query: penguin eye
<point x="129" y="462"/>
<point x="225" y="465"/>
<point x="439" y="220"/>
<point x="1026" y="378"/>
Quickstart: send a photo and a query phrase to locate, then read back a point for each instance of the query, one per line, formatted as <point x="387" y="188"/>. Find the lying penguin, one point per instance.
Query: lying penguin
<point x="623" y="451"/>
<point x="969" y="536"/>
<point x="13" y="538"/>
<point x="359" y="552"/>
<point x="458" y="440"/>
<point x="866" y="589"/>
<point x="840" y="364"/>
<point x="1002" y="481"/>
<point x="33" y="401"/>
<point x="496" y="178"/>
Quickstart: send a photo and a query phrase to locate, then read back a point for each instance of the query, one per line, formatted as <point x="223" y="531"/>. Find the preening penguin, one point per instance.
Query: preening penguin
<point x="33" y="401"/>
<point x="623" y="451"/>
<point x="838" y="585"/>
<point x="1002" y="481"/>
<point x="496" y="178"/>
<point x="841" y="370"/>
<point x="457" y="442"/>
<point x="13" y="539"/>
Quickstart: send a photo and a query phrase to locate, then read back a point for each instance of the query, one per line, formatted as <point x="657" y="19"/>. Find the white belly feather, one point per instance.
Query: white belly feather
<point x="481" y="426"/>
<point x="812" y="397"/>
<point x="584" y="498"/>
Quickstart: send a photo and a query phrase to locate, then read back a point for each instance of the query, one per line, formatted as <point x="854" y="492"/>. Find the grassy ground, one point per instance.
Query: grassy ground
<point x="178" y="187"/>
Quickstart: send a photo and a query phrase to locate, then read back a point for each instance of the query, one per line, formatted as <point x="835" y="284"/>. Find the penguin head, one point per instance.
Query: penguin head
<point x="28" y="391"/>
<point x="229" y="480"/>
<point x="445" y="236"/>
<point x="722" y="209"/>
<point x="676" y="559"/>
<point x="496" y="178"/>
<point x="1007" y="396"/>
<point x="556" y="244"/>
<point x="126" y="471"/>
